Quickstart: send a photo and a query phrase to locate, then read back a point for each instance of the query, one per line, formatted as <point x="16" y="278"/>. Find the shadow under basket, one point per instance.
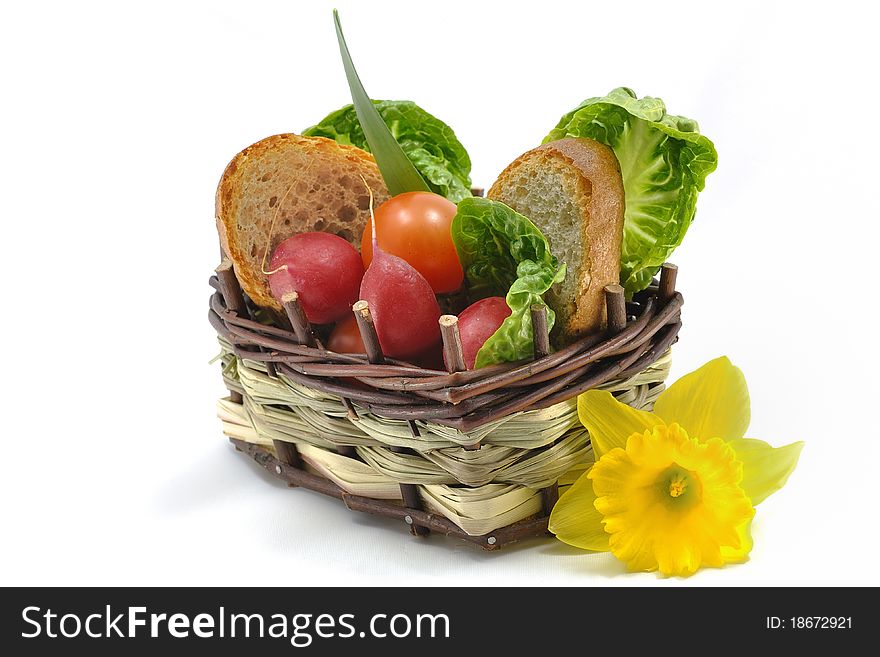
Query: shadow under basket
<point x="476" y="454"/>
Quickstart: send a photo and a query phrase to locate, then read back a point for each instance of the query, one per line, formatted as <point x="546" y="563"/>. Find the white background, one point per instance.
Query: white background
<point x="117" y="120"/>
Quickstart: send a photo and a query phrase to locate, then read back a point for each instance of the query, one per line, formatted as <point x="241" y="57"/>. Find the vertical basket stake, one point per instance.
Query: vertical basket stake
<point x="230" y="289"/>
<point x="409" y="492"/>
<point x="350" y="409"/>
<point x="367" y="329"/>
<point x="540" y="334"/>
<point x="541" y="341"/>
<point x="453" y="354"/>
<point x="668" y="274"/>
<point x="615" y="306"/>
<point x="452" y="350"/>
<point x="233" y="299"/>
<point x="287" y="452"/>
<point x="549" y="497"/>
<point x="306" y="336"/>
<point x="370" y="338"/>
<point x="298" y="319"/>
<point x="232" y="294"/>
<point x="288" y="455"/>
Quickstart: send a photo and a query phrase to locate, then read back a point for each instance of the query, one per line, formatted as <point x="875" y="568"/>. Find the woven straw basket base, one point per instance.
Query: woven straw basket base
<point x="491" y="480"/>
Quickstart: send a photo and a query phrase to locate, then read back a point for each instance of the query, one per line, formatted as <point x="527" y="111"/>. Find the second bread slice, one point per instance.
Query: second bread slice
<point x="572" y="190"/>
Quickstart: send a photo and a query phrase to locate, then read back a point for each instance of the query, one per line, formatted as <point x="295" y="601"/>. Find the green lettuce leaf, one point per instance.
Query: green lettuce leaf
<point x="430" y="144"/>
<point x="664" y="161"/>
<point x="504" y="254"/>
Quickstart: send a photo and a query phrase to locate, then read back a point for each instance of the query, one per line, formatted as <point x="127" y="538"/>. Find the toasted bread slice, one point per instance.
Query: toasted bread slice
<point x="572" y="190"/>
<point x="303" y="184"/>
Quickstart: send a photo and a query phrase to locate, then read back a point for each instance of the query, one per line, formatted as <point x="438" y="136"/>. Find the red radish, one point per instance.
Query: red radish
<point x="478" y="322"/>
<point x="403" y="305"/>
<point x="325" y="271"/>
<point x="346" y="338"/>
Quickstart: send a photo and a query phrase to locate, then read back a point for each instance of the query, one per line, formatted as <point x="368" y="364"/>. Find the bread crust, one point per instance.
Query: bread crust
<point x="600" y="198"/>
<point x="241" y="206"/>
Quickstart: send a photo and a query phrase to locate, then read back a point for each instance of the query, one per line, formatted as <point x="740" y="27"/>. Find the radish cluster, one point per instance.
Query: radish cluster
<point x="328" y="274"/>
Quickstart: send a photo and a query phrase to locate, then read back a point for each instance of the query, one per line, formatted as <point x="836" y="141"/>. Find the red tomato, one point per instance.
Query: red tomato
<point x="415" y="226"/>
<point x="346" y="338"/>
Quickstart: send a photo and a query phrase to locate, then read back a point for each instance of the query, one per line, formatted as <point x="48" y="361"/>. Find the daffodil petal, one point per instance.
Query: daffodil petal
<point x="671" y="503"/>
<point x="712" y="402"/>
<point x="765" y="468"/>
<point x="575" y="520"/>
<point x="611" y="422"/>
<point x="732" y="554"/>
<point x="574" y="474"/>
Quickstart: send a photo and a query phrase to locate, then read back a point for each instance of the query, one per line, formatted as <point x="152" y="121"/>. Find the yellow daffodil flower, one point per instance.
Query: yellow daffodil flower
<point x="675" y="489"/>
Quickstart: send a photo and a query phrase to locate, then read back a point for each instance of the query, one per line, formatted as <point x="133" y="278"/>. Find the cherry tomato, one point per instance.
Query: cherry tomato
<point x="346" y="338"/>
<point x="415" y="226"/>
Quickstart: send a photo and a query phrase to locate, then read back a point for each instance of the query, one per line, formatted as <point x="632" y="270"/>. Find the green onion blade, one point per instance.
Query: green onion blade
<point x="399" y="173"/>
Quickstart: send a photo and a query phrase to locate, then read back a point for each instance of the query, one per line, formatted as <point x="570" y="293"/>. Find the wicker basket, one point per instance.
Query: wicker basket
<point x="477" y="454"/>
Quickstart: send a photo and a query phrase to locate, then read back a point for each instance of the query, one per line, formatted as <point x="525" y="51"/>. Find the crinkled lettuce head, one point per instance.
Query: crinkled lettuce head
<point x="503" y="253"/>
<point x="430" y="144"/>
<point x="664" y="161"/>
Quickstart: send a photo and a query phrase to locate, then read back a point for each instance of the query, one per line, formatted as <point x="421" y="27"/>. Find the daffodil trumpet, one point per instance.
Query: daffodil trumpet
<point x="674" y="489"/>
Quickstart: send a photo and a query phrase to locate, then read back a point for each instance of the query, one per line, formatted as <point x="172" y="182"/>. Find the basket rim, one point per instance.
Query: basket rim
<point x="466" y="399"/>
